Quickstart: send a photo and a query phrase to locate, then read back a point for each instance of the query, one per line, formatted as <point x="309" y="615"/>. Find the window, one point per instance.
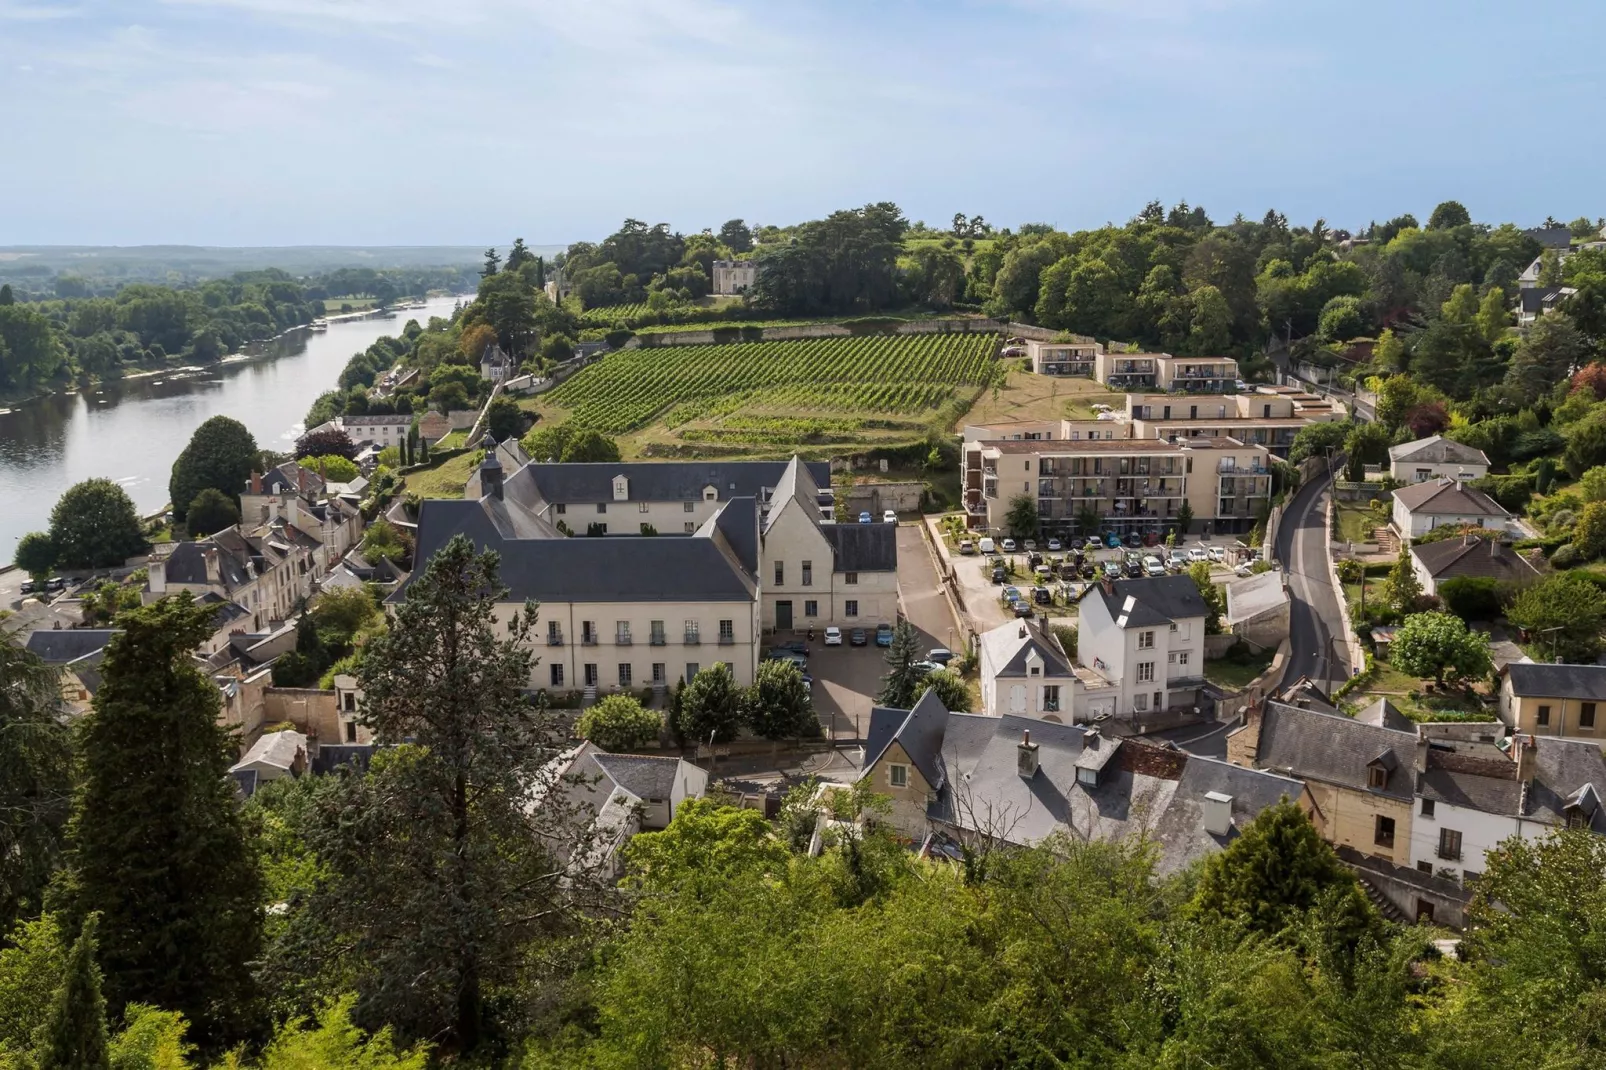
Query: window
<point x="657" y="631"/>
<point x="1225" y="507"/>
<point x="1427" y="807"/>
<point x="561" y="508"/>
<point x="351" y="731"/>
<point x="780" y="573"/>
<point x="602" y="507"/>
<point x="691" y="671"/>
<point x="1087" y="777"/>
<point x="1145" y="640"/>
<point x="850" y="577"/>
<point x="1182" y="658"/>
<point x="557" y="675"/>
<point x="898" y="776"/>
<point x="811" y="608"/>
<point x="1377" y="777"/>
<point x="727" y="631"/>
<point x="1383" y="832"/>
<point x="690" y="528"/>
<point x="348" y="702"/>
<point x="554" y="633"/>
<point x="642" y="508"/>
<point x="1586" y="715"/>
<point x="688" y="507"/>
<point x="1051" y="698"/>
<point x="588" y="633"/>
<point x="808" y="573"/>
<point x="1425" y="866"/>
<point x="1544" y="715"/>
<point x="850" y="608"/>
<point x="1140" y="702"/>
<point x="692" y="631"/>
<point x="1450" y="845"/>
<point x="591" y="674"/>
<point x="621" y="632"/>
<point x="624" y="674"/>
<point x="658" y="672"/>
<point x="1145" y="672"/>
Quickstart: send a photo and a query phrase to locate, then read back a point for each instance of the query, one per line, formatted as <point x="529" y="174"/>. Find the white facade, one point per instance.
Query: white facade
<point x="382" y="430"/>
<point x="803" y="588"/>
<point x="1415" y="524"/>
<point x="1152" y="667"/>
<point x="1017" y="678"/>
<point x="732" y="277"/>
<point x="1480" y="832"/>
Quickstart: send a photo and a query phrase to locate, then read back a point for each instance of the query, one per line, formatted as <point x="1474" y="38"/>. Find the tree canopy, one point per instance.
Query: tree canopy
<point x="221" y="454"/>
<point x="94" y="525"/>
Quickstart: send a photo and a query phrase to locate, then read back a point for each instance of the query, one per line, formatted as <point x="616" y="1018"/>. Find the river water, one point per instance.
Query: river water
<point x="132" y="430"/>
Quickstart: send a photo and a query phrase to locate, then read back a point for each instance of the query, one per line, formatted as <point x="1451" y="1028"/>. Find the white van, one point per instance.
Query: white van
<point x="987" y="546"/>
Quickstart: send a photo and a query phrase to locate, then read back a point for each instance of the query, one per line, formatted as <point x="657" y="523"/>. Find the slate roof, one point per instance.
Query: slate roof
<point x="1437" y="448"/>
<point x="225" y="612"/>
<point x="658" y="481"/>
<point x="1333" y="748"/>
<point x="380" y="420"/>
<point x="1548" y="680"/>
<point x="1008" y="646"/>
<point x="1551" y="237"/>
<point x="621" y="568"/>
<point x="644" y="776"/>
<point x="1153" y="602"/>
<point x="508" y="453"/>
<point x="61" y="647"/>
<point x="862" y="547"/>
<point x="1142" y="789"/>
<point x="1473" y="556"/>
<point x="332" y="756"/>
<point x="1480" y="776"/>
<point x="1535" y="299"/>
<point x="1385" y="715"/>
<point x="1562" y="769"/>
<point x="920" y="730"/>
<point x="277" y="749"/>
<point x="1448" y="497"/>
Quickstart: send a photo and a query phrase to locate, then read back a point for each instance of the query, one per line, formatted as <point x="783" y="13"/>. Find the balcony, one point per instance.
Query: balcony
<point x="693" y="639"/>
<point x="588" y="640"/>
<point x="1232" y="468"/>
<point x="622" y="640"/>
<point x="658" y="639"/>
<point x="727" y="640"/>
<point x="554" y="640"/>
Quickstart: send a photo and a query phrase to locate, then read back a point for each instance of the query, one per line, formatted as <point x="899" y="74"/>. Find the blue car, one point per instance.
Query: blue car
<point x="883" y="635"/>
<point x="864" y="518"/>
<point x="1112" y="540"/>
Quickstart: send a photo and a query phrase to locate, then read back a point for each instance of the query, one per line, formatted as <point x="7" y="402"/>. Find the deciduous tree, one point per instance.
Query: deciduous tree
<point x="711" y="706"/>
<point x="212" y="510"/>
<point x="35" y="780"/>
<point x="950" y="688"/>
<point x="221" y="455"/>
<point x="94" y="525"/>
<point x="1439" y="645"/>
<point x="36" y="554"/>
<point x="1021" y="520"/>
<point x="618" y="722"/>
<point x="778" y="706"/>
<point x="1563" y="615"/>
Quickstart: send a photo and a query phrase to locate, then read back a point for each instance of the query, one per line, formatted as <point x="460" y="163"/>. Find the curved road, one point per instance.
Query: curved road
<point x="1317" y="642"/>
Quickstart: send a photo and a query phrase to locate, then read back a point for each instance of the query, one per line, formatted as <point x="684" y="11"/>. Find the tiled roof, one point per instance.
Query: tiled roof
<point x="1472" y="556"/>
<point x="658" y="481"/>
<point x="1448" y="497"/>
<point x="1334" y="749"/>
<point x="1437" y="448"/>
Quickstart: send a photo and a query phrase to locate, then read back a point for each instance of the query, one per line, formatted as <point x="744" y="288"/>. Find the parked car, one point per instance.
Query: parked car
<point x="1043" y="572"/>
<point x="1092" y="542"/>
<point x="966" y="546"/>
<point x="999" y="575"/>
<point x="986" y="545"/>
<point x="1029" y="545"/>
<point x="1134" y="566"/>
<point x="1088" y="571"/>
<point x="799" y="660"/>
<point x="55" y="583"/>
<point x="1150" y="538"/>
<point x="1133" y="539"/>
<point x="857" y="637"/>
<point x="1152" y="566"/>
<point x="1217" y="554"/>
<point x="808" y="683"/>
<point x="1112" y="570"/>
<point x="1008" y="546"/>
<point x="1011" y="594"/>
<point x="865" y="518"/>
<point x="1113" y="541"/>
<point x="940" y="654"/>
<point x="1054" y="546"/>
<point x="1023" y="608"/>
<point x="888" y="516"/>
<point x="925" y="668"/>
<point x="796" y="646"/>
<point x="883" y="635"/>
<point x="833" y="636"/>
<point x="28" y="586"/>
<point x="1177" y="562"/>
<point x="1042" y="596"/>
<point x="1033" y="560"/>
<point x="1196" y="555"/>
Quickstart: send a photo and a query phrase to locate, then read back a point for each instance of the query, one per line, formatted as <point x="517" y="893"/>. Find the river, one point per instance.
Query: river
<point x="131" y="430"/>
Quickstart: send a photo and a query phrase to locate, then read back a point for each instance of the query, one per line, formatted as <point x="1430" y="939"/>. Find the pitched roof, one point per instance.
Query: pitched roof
<point x="61" y="647"/>
<point x="1146" y="603"/>
<point x="1448" y="497"/>
<point x="1384" y="714"/>
<point x="920" y="731"/>
<point x="658" y="481"/>
<point x="644" y="776"/>
<point x="862" y="547"/>
<point x="1548" y="680"/>
<point x="1472" y="556"/>
<point x="1333" y="748"/>
<point x="1551" y="237"/>
<point x="378" y="420"/>
<point x="276" y="749"/>
<point x="1007" y="647"/>
<point x="1437" y="448"/>
<point x="1563" y="769"/>
<point x="1254" y="595"/>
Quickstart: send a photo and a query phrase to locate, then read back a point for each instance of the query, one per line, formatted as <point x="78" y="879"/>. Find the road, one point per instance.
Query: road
<point x="921" y="591"/>
<point x="1316" y="639"/>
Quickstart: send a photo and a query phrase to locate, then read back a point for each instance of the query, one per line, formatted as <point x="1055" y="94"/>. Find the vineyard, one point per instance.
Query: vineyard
<point x="819" y="391"/>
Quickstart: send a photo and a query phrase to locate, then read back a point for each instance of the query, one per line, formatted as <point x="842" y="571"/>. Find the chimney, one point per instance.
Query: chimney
<point x="1026" y="757"/>
<point x="214" y="573"/>
<point x="156" y="575"/>
<point x="1217" y="813"/>
<point x="491" y="476"/>
<point x="1022" y="633"/>
<point x="256" y="482"/>
<point x="1522" y="752"/>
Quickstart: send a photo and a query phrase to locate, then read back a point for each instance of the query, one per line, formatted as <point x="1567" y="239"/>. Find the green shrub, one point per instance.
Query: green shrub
<point x="1565" y="556"/>
<point x="618" y="722"/>
<point x="1471" y="597"/>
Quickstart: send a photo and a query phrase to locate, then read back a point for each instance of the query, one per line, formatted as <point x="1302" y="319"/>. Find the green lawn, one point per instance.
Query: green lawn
<point x="1354" y="524"/>
<point x="1235" y="674"/>
<point x="444" y="479"/>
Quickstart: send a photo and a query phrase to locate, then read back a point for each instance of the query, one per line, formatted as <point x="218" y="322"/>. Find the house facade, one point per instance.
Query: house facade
<point x="1073" y="359"/>
<point x="266" y="574"/>
<point x="733" y="277"/>
<point x="1544" y="699"/>
<point x="1436" y="458"/>
<point x="1421" y="507"/>
<point x="1145" y="638"/>
<point x="1196" y="375"/>
<point x="386" y="429"/>
<point x="1025" y="672"/>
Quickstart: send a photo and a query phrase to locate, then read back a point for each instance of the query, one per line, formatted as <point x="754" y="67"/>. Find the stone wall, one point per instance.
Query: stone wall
<point x="735" y="332"/>
<point x="313" y="712"/>
<point x="875" y="497"/>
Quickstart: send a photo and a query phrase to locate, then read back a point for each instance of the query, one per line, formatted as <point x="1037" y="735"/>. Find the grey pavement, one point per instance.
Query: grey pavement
<point x="1317" y="642"/>
<point x="846" y="679"/>
<point x="920" y="591"/>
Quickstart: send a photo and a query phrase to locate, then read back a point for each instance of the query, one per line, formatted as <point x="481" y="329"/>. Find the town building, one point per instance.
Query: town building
<point x="1469" y="557"/>
<point x="733" y="277"/>
<point x="1145" y="640"/>
<point x="76" y="653"/>
<point x="996" y="781"/>
<point x="266" y="575"/>
<point x="1534" y="300"/>
<point x="496" y="365"/>
<point x="297" y="498"/>
<point x="1025" y="671"/>
<point x="1195" y="375"/>
<point x="1421" y="507"/>
<point x="1074" y="359"/>
<point x="381" y="429"/>
<point x="1257" y="419"/>
<point x="1550" y="699"/>
<point x="1435" y="458"/>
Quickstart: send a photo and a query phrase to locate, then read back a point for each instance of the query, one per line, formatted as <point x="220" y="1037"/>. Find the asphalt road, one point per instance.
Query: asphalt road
<point x="921" y="591"/>
<point x="1316" y="640"/>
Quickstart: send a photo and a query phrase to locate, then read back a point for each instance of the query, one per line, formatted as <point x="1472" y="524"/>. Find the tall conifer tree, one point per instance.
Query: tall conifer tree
<point x="74" y="1038"/>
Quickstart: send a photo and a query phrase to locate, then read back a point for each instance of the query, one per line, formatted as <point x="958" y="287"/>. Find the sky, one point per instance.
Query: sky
<point x="285" y="122"/>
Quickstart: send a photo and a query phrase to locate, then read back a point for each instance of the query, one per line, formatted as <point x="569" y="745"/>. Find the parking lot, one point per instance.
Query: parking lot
<point x="846" y="679"/>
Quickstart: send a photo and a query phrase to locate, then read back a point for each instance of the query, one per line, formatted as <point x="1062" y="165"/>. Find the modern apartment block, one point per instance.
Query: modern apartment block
<point x="1075" y="359"/>
<point x="1259" y="419"/>
<point x="1119" y="485"/>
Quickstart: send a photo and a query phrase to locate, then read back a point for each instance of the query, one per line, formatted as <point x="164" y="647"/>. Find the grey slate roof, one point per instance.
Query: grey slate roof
<point x="658" y="481"/>
<point x="62" y="647"/>
<point x="1054" y="661"/>
<point x="1473" y="556"/>
<point x="332" y="756"/>
<point x="1334" y="749"/>
<point x="379" y="420"/>
<point x="1476" y="776"/>
<point x="1551" y="237"/>
<point x="862" y="547"/>
<point x="1562" y="768"/>
<point x="1157" y="601"/>
<point x="920" y="730"/>
<point x="610" y="569"/>
<point x="644" y="776"/>
<point x="1534" y="299"/>
<point x="1437" y="448"/>
<point x="1547" y="680"/>
<point x="1383" y="714"/>
<point x="1446" y="497"/>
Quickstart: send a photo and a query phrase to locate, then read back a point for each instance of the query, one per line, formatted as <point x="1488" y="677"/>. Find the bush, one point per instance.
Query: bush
<point x="1471" y="597"/>
<point x="619" y="723"/>
<point x="211" y="511"/>
<point x="1566" y="556"/>
<point x="1513" y="492"/>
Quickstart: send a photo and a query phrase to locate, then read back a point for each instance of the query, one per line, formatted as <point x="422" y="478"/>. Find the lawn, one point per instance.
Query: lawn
<point x="1027" y="396"/>
<point x="1356" y="524"/>
<point x="772" y="398"/>
<point x="336" y="305"/>
<point x="444" y="479"/>
<point x="1235" y="674"/>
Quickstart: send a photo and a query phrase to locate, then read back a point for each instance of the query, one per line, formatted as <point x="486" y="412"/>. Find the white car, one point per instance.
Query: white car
<point x="889" y="517"/>
<point x="1030" y="544"/>
<point x="1218" y="555"/>
<point x="987" y="545"/>
<point x="1008" y="546"/>
<point x="1152" y="566"/>
<point x="1196" y="555"/>
<point x="1245" y="569"/>
<point x="833" y="636"/>
<point x="1054" y="546"/>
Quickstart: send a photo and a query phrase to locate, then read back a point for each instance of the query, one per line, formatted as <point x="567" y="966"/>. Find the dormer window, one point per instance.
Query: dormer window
<point x="1377" y="777"/>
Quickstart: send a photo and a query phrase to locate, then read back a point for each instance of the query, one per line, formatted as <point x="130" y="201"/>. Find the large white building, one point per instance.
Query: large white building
<point x="732" y="277"/>
<point x="1146" y="639"/>
<point x="1435" y="458"/>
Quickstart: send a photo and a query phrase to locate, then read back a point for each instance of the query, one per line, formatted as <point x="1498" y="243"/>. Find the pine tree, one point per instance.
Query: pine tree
<point x="900" y="685"/>
<point x="35" y="780"/>
<point x="156" y="843"/>
<point x="75" y="1036"/>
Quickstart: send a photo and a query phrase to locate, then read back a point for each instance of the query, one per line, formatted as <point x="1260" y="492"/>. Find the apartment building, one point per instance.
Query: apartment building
<point x="385" y="429"/>
<point x="1117" y="485"/>
<point x="1128" y="371"/>
<point x="1263" y="418"/>
<point x="1074" y="359"/>
<point x="265" y="573"/>
<point x="1195" y="375"/>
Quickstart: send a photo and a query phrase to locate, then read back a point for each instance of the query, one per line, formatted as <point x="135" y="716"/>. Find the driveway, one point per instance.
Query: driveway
<point x="846" y="679"/>
<point x="1318" y="645"/>
<point x="920" y="592"/>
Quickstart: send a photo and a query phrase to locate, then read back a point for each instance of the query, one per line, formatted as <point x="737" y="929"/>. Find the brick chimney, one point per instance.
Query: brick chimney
<point x="256" y="482"/>
<point x="1026" y="755"/>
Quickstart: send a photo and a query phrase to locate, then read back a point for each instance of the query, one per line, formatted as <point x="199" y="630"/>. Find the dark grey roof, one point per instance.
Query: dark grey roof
<point x="1448" y="496"/>
<point x="1055" y="662"/>
<point x="1476" y="776"/>
<point x="1547" y="680"/>
<point x="1437" y="448"/>
<point x="659" y="481"/>
<point x="644" y="776"/>
<point x="862" y="547"/>
<point x="1535" y="298"/>
<point x="1472" y="556"/>
<point x="377" y="420"/>
<point x="1562" y="769"/>
<point x="245" y="782"/>
<point x="1156" y="601"/>
<point x="737" y="521"/>
<point x="68" y="645"/>
<point x="332" y="756"/>
<point x="1551" y="237"/>
<point x="625" y="568"/>
<point x="1334" y="749"/>
<point x="919" y="730"/>
<point x="1383" y="713"/>
<point x="225" y="612"/>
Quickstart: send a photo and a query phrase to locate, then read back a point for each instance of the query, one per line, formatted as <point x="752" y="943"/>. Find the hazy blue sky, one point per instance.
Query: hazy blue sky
<point x="269" y="122"/>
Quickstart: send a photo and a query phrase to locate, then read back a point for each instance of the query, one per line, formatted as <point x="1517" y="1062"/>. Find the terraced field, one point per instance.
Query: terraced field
<point x="777" y="394"/>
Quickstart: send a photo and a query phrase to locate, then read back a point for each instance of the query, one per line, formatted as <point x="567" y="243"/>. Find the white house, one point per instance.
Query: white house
<point x="1025" y="672"/>
<point x="273" y="755"/>
<point x="382" y="429"/>
<point x="1144" y="637"/>
<point x="1472" y="795"/>
<point x="1421" y="507"/>
<point x="732" y="277"/>
<point x="495" y="365"/>
<point x="1469" y="557"/>
<point x="1434" y="458"/>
